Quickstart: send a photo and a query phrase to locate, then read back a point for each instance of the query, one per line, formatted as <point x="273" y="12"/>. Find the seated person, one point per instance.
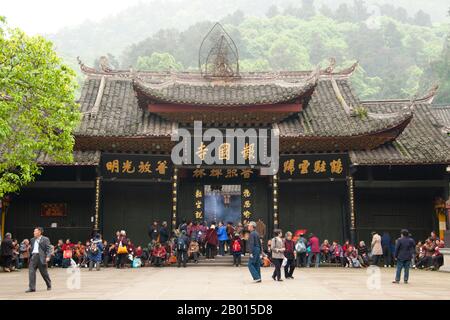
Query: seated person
<point x="428" y="251"/>
<point x="194" y="251"/>
<point x="325" y="251"/>
<point x="336" y="253"/>
<point x="159" y="255"/>
<point x="362" y="254"/>
<point x="437" y="257"/>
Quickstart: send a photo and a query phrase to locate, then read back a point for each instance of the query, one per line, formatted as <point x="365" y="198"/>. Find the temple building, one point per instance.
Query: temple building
<point x="347" y="167"/>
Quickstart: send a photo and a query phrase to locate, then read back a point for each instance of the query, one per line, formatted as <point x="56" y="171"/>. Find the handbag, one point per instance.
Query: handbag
<point x="122" y="249"/>
<point x="67" y="254"/>
<point x="172" y="259"/>
<point x="285" y="260"/>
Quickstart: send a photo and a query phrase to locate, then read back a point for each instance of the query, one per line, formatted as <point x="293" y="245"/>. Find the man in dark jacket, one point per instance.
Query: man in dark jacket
<point x="40" y="254"/>
<point x="7" y="249"/>
<point x="404" y="250"/>
<point x="153" y="231"/>
<point x="254" y="247"/>
<point x="163" y="233"/>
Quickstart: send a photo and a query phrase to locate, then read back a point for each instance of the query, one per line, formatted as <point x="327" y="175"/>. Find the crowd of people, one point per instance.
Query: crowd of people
<point x="193" y="239"/>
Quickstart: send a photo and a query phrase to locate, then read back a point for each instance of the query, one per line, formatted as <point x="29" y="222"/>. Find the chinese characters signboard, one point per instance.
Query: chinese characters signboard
<point x="198" y="203"/>
<point x="247" y="201"/>
<point x="225" y="175"/>
<point x="136" y="166"/>
<point x="53" y="209"/>
<point x="313" y="166"/>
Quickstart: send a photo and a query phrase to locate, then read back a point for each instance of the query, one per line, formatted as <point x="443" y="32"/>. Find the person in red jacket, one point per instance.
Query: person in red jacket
<point x="314" y="244"/>
<point x="159" y="253"/>
<point x="211" y="242"/>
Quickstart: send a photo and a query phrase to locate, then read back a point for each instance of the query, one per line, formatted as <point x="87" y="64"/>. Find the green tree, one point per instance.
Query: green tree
<point x="158" y="62"/>
<point x="38" y="112"/>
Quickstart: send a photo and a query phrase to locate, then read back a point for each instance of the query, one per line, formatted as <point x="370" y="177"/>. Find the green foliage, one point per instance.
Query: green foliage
<point x="158" y="62"/>
<point x="37" y="107"/>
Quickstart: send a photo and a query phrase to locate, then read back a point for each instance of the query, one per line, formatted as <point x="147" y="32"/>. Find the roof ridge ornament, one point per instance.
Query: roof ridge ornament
<point x="218" y="55"/>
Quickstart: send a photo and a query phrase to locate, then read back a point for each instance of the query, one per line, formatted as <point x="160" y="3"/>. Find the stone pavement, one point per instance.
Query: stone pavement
<point x="228" y="283"/>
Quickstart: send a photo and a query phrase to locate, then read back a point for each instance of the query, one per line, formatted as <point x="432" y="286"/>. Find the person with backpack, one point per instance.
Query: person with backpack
<point x="236" y="250"/>
<point x="182" y="248"/>
<point x="300" y="249"/>
<point x="289" y="246"/>
<point x="95" y="252"/>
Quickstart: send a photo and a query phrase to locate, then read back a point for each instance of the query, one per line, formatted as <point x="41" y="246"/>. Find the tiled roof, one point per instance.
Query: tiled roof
<point x="422" y="142"/>
<point x="326" y="117"/>
<point x="442" y="114"/>
<point x="80" y="158"/>
<point x="118" y="113"/>
<point x="235" y="93"/>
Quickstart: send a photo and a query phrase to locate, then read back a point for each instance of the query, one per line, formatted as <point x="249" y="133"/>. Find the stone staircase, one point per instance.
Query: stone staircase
<point x="219" y="261"/>
<point x="227" y="261"/>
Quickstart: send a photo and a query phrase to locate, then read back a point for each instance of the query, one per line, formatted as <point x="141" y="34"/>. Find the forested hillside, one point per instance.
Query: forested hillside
<point x="401" y="53"/>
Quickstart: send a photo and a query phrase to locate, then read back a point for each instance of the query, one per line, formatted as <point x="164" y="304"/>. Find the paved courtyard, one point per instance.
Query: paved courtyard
<point x="227" y="283"/>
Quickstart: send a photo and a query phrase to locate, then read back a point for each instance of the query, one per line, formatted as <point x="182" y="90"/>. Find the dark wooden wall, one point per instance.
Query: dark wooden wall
<point x="133" y="207"/>
<point x="390" y="210"/>
<point x="25" y="213"/>
<point x="319" y="207"/>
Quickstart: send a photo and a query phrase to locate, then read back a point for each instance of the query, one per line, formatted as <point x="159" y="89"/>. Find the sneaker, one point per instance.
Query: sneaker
<point x="396" y="282"/>
<point x="257" y="280"/>
<point x="405" y="282"/>
<point x="385" y="266"/>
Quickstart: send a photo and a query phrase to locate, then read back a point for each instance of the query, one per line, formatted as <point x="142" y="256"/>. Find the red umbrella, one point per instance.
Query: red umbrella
<point x="298" y="233"/>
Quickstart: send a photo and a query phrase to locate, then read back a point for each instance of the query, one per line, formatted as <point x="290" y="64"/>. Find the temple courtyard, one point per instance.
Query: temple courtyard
<point x="221" y="282"/>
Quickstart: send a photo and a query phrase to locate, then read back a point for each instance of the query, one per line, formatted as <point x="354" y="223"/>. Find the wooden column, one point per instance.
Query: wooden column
<point x="351" y="201"/>
<point x="97" y="204"/>
<point x="275" y="201"/>
<point x="174" y="197"/>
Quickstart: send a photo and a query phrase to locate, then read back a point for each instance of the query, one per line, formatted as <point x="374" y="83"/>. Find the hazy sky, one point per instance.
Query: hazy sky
<point x="47" y="16"/>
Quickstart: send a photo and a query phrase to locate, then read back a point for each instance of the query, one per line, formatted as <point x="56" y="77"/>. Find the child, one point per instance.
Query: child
<point x="236" y="250"/>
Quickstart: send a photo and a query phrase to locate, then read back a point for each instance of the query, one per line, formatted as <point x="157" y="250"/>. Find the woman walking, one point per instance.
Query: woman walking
<point x="277" y="254"/>
<point x="290" y="256"/>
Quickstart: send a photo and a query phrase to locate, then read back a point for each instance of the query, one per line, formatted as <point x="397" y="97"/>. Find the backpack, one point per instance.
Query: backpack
<point x="93" y="248"/>
<point x="181" y="244"/>
<point x="300" y="247"/>
<point x="236" y="246"/>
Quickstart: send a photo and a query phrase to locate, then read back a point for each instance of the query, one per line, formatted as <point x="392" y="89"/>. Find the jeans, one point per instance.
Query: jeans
<point x="254" y="264"/>
<point x="402" y="265"/>
<point x="181" y="257"/>
<point x="301" y="259"/>
<point x="222" y="247"/>
<point x="316" y="256"/>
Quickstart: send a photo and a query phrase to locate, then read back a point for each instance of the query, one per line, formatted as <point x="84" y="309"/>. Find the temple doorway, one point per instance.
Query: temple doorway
<point x="223" y="203"/>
